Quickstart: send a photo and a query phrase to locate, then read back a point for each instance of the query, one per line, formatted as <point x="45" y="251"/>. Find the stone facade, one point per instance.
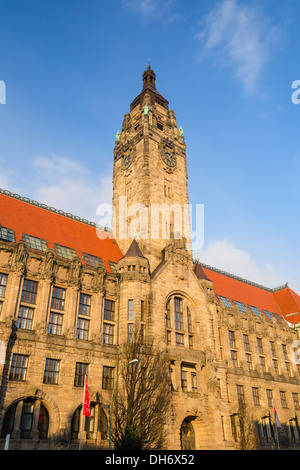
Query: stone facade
<point x="61" y="318"/>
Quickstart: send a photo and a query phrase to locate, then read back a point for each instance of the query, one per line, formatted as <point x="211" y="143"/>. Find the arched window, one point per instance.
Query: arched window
<point x="293" y="429"/>
<point x="26" y="419"/>
<point x="266" y="429"/>
<point x="179" y="322"/>
<point x="91" y="425"/>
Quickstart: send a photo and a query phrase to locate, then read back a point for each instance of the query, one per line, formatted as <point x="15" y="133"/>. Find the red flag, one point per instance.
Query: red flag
<point x="86" y="400"/>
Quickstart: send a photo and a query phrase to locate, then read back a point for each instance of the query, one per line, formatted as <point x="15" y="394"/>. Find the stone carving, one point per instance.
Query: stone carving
<point x="74" y="273"/>
<point x="5" y="257"/>
<point x="19" y="263"/>
<point x="49" y="265"/>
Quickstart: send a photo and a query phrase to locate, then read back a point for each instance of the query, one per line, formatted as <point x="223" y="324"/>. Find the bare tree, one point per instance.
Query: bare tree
<point x="248" y="437"/>
<point x="143" y="399"/>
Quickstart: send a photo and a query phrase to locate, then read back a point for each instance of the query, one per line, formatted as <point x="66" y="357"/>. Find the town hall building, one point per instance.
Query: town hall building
<point x="72" y="293"/>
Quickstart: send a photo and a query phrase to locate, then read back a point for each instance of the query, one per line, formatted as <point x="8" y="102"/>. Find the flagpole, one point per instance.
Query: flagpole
<point x="277" y="438"/>
<point x="277" y="424"/>
<point x="81" y="424"/>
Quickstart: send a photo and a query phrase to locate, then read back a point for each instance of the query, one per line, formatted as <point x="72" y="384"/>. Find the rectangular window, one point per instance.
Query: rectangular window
<point x="284" y="352"/>
<point x="184" y="381"/>
<point x="194" y="381"/>
<point x="3" y="282"/>
<point x="270" y="397"/>
<point x="283" y="399"/>
<point x="130" y="332"/>
<point x="65" y="251"/>
<point x="296" y="401"/>
<point x="232" y="339"/>
<point x="29" y="291"/>
<point x="18" y="367"/>
<point x="168" y="316"/>
<point x="84" y="305"/>
<point x="7" y="234"/>
<point x="255" y="395"/>
<point x="143" y="310"/>
<point x="234" y="358"/>
<point x="246" y="343"/>
<point x="240" y="393"/>
<point x="35" y="243"/>
<point x="130" y="310"/>
<point x="179" y="340"/>
<point x="189" y="321"/>
<point x="55" y="323"/>
<point x="109" y="310"/>
<point x="51" y="371"/>
<point x="82" y="328"/>
<point x="259" y="346"/>
<point x="91" y="260"/>
<point x="255" y="310"/>
<point x="242" y="307"/>
<point x="178" y="307"/>
<point x="107" y="378"/>
<point x="226" y="302"/>
<point x="80" y="372"/>
<point x="268" y="314"/>
<point x="249" y="361"/>
<point x="25" y="318"/>
<point x="58" y="298"/>
<point x="108" y="333"/>
<point x="275" y="365"/>
<point x="262" y="362"/>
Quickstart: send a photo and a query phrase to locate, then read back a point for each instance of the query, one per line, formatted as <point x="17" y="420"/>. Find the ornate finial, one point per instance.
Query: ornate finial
<point x="118" y="136"/>
<point x="134" y="235"/>
<point x="148" y="63"/>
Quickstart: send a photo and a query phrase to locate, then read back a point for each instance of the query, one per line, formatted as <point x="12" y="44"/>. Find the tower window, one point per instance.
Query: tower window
<point x="160" y="126"/>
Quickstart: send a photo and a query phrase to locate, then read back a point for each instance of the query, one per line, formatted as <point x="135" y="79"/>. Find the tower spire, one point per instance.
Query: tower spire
<point x="149" y="87"/>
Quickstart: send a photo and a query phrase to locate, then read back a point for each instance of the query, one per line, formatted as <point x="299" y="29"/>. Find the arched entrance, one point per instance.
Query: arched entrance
<point x="194" y="434"/>
<point x="187" y="435"/>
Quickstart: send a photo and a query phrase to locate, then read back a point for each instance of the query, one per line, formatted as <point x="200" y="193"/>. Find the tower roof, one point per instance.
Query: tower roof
<point x="199" y="272"/>
<point x="149" y="87"/>
<point x="134" y="250"/>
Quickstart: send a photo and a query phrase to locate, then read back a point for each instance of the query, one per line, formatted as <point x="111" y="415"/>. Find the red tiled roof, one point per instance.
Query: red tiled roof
<point x="289" y="302"/>
<point x="25" y="217"/>
<point x="282" y="301"/>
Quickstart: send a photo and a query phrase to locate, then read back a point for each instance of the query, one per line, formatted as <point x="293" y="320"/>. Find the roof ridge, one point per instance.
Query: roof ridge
<point x="246" y="281"/>
<point x="53" y="209"/>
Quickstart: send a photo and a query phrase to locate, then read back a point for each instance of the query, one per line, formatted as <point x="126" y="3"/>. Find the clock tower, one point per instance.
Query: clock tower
<point x="150" y="197"/>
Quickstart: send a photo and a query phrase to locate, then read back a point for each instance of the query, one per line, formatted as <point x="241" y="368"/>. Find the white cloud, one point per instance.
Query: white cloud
<point x="8" y="179"/>
<point x="68" y="185"/>
<point x="238" y="36"/>
<point x="222" y="254"/>
<point x="62" y="183"/>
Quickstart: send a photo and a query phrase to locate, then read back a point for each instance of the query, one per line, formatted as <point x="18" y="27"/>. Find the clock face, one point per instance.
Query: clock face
<point x="169" y="158"/>
<point x="127" y="159"/>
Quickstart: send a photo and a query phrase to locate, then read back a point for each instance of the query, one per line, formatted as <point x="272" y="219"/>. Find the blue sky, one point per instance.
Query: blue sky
<point x="226" y="67"/>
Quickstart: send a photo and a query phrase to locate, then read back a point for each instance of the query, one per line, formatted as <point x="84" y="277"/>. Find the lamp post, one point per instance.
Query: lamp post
<point x="112" y="398"/>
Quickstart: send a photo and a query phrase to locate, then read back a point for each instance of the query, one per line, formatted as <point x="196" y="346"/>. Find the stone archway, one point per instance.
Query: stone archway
<point x="187" y="435"/>
<point x="194" y="434"/>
